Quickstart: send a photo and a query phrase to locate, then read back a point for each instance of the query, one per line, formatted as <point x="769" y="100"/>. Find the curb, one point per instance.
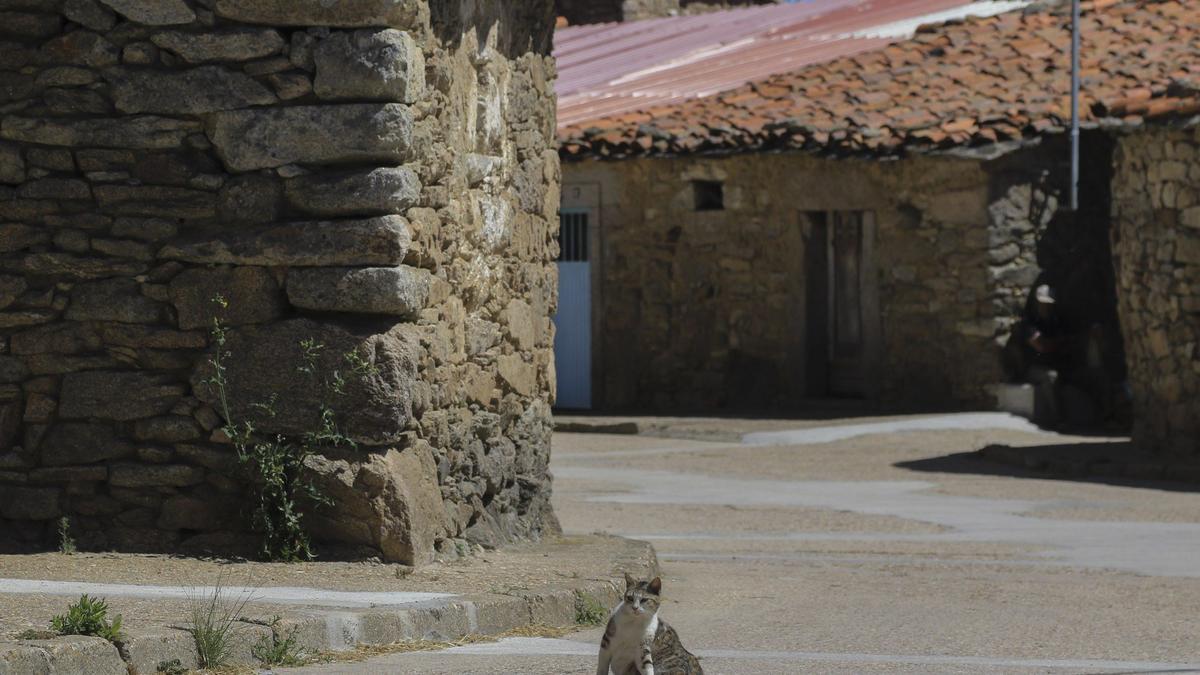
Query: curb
<point x="334" y="630"/>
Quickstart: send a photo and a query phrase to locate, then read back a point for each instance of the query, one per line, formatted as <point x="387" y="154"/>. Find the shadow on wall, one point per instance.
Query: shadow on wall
<point x="1075" y="257"/>
<point x="753" y="383"/>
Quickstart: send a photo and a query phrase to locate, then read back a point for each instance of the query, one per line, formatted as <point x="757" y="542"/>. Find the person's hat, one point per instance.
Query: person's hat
<point x="1045" y="294"/>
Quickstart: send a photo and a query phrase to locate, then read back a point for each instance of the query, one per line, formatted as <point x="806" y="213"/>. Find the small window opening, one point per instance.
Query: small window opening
<point x="710" y="195"/>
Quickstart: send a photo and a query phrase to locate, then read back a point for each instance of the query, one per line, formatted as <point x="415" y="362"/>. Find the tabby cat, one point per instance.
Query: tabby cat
<point x="637" y="642"/>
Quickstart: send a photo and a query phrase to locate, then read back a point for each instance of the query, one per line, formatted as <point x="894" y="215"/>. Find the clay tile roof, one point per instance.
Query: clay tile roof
<point x="969" y="82"/>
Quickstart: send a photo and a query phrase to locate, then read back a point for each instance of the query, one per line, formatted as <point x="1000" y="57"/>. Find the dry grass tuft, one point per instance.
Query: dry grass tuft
<point x="229" y="670"/>
<point x="213" y="624"/>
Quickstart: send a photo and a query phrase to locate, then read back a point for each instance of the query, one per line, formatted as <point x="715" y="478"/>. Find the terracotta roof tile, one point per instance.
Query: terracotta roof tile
<point x="970" y="82"/>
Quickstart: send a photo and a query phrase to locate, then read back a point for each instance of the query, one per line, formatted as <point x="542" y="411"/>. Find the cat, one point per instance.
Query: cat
<point x="637" y="642"/>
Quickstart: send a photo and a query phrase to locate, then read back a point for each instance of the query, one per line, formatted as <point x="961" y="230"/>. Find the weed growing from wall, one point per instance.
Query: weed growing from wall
<point x="284" y="489"/>
<point x="276" y="649"/>
<point x="66" y="543"/>
<point x="89" y="616"/>
<point x="588" y="610"/>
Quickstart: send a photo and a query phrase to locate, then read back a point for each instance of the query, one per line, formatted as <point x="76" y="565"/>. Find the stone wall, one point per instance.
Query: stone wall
<point x="580" y="12"/>
<point x="706" y="6"/>
<point x="707" y="310"/>
<point x="636" y="10"/>
<point x="1156" y="246"/>
<point x="376" y="175"/>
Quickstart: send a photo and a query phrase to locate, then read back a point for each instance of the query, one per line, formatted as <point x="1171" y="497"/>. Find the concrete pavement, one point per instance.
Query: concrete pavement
<point x="323" y="606"/>
<point x="541" y="655"/>
<point x="875" y="547"/>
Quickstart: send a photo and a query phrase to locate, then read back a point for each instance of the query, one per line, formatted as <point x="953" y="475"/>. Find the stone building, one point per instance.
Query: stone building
<point x="873" y="225"/>
<point x="373" y="177"/>
<point x="757" y="281"/>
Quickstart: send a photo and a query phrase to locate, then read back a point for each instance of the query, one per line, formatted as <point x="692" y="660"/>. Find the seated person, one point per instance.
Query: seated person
<point x="1045" y="335"/>
<point x="1039" y="351"/>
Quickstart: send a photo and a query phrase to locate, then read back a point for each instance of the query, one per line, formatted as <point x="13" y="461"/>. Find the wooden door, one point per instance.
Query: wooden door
<point x="846" y="304"/>
<point x="843" y="304"/>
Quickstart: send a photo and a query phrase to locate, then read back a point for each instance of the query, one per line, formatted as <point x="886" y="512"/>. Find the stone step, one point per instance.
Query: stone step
<point x="1018" y="399"/>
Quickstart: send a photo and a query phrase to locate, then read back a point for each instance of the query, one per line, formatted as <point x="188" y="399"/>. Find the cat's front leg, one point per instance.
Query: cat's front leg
<point x="605" y="650"/>
<point x="647" y="661"/>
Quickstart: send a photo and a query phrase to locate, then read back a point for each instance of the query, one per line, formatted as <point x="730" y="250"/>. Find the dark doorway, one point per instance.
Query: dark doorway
<point x="816" y="304"/>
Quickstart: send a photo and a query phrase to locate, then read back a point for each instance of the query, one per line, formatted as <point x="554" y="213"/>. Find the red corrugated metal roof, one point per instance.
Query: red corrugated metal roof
<point x="966" y="83"/>
<point x="611" y="69"/>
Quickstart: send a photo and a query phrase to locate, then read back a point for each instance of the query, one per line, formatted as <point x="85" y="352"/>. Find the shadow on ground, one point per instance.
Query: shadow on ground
<point x="1117" y="464"/>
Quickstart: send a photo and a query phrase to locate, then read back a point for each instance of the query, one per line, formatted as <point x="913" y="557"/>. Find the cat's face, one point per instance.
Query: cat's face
<point x="641" y="597"/>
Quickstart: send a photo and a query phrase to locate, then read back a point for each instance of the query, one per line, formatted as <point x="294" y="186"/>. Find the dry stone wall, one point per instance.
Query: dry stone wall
<point x="579" y="12"/>
<point x="374" y="175"/>
<point x="706" y="6"/>
<point x="1156" y="246"/>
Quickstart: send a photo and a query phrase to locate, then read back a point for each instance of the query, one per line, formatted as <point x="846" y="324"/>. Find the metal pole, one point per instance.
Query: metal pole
<point x="1074" y="105"/>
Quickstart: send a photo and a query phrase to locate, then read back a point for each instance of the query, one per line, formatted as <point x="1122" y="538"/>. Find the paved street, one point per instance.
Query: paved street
<point x="873" y="546"/>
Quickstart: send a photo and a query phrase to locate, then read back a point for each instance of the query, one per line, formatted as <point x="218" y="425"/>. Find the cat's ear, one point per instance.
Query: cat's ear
<point x="655" y="585"/>
<point x="630" y="582"/>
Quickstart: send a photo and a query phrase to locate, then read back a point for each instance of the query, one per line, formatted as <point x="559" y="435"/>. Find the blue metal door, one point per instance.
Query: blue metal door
<point x="573" y="323"/>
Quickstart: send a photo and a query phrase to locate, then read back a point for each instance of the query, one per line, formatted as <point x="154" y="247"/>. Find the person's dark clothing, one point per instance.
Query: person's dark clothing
<point x="1046" y="341"/>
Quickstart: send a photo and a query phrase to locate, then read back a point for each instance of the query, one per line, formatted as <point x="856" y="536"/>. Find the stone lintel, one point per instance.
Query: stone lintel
<point x="265" y="138"/>
<point x="399" y="291"/>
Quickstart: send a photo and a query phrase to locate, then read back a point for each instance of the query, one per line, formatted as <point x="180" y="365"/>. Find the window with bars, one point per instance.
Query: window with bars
<point x="573" y="236"/>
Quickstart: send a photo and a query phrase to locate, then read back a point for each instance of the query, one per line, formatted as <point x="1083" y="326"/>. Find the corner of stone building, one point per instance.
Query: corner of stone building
<point x="376" y="175"/>
<point x="1156" y="252"/>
